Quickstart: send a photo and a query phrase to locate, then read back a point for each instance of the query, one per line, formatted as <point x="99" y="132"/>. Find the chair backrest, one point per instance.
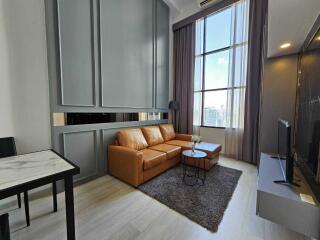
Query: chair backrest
<point x="7" y="147"/>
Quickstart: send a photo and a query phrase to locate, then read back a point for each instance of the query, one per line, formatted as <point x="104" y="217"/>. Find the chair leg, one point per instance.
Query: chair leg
<point x="19" y="200"/>
<point x="26" y="207"/>
<point x="54" y="195"/>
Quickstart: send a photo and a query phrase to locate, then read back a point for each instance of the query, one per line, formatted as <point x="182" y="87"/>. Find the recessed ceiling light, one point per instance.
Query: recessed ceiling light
<point x="285" y="45"/>
<point x="318" y="38"/>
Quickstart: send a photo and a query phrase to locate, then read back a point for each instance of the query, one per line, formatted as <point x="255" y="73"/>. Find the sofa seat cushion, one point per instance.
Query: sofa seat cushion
<point x="183" y="144"/>
<point x="153" y="135"/>
<point x="170" y="150"/>
<point x="152" y="158"/>
<point x="132" y="138"/>
<point x="167" y="132"/>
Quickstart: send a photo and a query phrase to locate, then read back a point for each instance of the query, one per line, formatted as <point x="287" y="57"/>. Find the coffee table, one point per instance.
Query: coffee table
<point x="192" y="172"/>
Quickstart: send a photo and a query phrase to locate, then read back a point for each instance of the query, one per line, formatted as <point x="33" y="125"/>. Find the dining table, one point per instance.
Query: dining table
<point x="24" y="172"/>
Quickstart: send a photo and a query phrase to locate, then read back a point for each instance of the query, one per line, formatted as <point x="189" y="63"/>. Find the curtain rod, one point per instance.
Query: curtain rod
<point x="220" y="5"/>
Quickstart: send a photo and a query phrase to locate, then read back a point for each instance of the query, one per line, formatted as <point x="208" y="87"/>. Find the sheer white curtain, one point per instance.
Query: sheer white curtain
<point x="237" y="81"/>
<point x="197" y="104"/>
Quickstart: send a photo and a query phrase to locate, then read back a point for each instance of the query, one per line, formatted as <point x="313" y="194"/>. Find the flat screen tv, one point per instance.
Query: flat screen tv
<point x="284" y="151"/>
<point x="307" y="123"/>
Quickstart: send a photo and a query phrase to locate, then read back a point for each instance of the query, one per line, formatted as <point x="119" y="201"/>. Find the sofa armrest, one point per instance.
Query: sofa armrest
<point x="125" y="164"/>
<point x="183" y="137"/>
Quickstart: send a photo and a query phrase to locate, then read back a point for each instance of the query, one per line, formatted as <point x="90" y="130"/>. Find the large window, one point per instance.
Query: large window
<point x="220" y="41"/>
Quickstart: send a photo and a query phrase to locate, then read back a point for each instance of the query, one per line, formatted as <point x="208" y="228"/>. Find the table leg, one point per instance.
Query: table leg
<point x="204" y="171"/>
<point x="26" y="207"/>
<point x="19" y="200"/>
<point x="68" y="183"/>
<point x="184" y="168"/>
<point x="54" y="196"/>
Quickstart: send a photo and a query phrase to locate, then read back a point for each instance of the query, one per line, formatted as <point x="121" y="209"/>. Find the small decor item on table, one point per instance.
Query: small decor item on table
<point x="195" y="139"/>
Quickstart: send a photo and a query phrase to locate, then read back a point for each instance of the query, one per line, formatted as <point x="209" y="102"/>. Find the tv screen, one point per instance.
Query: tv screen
<point x="307" y="126"/>
<point x="283" y="139"/>
<point x="284" y="149"/>
<point x="308" y="121"/>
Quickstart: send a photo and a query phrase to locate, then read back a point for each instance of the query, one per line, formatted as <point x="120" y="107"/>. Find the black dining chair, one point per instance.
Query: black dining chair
<point x="8" y="149"/>
<point x="4" y="227"/>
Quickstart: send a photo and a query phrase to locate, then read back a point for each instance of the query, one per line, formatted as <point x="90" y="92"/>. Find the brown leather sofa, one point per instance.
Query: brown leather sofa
<point x="141" y="154"/>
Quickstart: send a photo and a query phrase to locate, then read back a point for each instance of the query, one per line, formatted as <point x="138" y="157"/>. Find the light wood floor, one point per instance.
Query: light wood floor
<point x="109" y="209"/>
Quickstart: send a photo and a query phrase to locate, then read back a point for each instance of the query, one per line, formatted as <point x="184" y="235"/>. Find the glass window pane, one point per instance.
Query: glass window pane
<point x="218" y="30"/>
<point x="197" y="109"/>
<point x="199" y="36"/>
<point x="198" y="73"/>
<point x="217" y="70"/>
<point x="214" y="109"/>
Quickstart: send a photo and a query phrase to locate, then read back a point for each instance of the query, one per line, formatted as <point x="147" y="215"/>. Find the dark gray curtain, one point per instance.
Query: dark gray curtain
<point x="256" y="54"/>
<point x="184" y="54"/>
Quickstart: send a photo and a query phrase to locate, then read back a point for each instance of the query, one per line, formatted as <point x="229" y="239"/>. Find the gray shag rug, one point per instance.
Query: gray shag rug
<point x="205" y="204"/>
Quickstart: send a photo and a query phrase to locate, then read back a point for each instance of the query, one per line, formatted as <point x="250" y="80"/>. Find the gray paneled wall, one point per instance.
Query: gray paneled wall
<point x="162" y="66"/>
<point x="75" y="24"/>
<point x="105" y="56"/>
<point x="81" y="146"/>
<point x="127" y="53"/>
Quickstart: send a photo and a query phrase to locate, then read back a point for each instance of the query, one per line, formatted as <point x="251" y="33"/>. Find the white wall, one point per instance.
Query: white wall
<point x="24" y="91"/>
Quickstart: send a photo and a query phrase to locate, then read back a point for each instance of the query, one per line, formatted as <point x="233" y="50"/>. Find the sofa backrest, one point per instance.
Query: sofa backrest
<point x="167" y="132"/>
<point x="132" y="138"/>
<point x="153" y="135"/>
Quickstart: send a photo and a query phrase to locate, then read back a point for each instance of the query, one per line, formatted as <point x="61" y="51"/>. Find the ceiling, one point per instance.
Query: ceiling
<point x="180" y="4"/>
<point x="288" y="21"/>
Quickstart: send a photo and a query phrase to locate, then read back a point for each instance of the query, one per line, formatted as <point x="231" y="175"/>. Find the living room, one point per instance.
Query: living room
<point x="159" y="119"/>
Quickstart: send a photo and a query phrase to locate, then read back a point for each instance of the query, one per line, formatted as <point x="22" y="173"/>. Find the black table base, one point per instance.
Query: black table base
<point x="193" y="175"/>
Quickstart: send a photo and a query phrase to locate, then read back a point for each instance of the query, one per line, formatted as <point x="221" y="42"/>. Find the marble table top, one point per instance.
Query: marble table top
<point x="195" y="154"/>
<point x="28" y="167"/>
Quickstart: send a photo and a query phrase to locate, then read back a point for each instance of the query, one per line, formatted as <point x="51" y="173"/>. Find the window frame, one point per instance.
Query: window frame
<point x="203" y="56"/>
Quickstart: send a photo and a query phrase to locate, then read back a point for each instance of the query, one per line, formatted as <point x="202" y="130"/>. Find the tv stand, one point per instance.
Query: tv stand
<point x="293" y="207"/>
<point x="283" y="182"/>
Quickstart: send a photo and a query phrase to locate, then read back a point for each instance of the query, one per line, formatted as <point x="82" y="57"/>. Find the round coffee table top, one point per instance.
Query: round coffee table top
<point x="195" y="154"/>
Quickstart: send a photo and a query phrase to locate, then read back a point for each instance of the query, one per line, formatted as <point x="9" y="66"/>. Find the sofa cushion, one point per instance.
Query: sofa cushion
<point x="183" y="144"/>
<point x="132" y="138"/>
<point x="170" y="150"/>
<point x="152" y="158"/>
<point x="167" y="132"/>
<point x="153" y="135"/>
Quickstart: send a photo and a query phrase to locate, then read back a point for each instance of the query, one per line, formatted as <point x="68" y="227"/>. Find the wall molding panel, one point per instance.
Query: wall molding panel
<point x="74" y="71"/>
<point x="104" y="56"/>
<point x="76" y="146"/>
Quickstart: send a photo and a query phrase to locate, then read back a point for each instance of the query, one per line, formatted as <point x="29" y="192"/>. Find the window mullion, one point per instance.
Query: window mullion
<point x="233" y="49"/>
<point x="203" y="68"/>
